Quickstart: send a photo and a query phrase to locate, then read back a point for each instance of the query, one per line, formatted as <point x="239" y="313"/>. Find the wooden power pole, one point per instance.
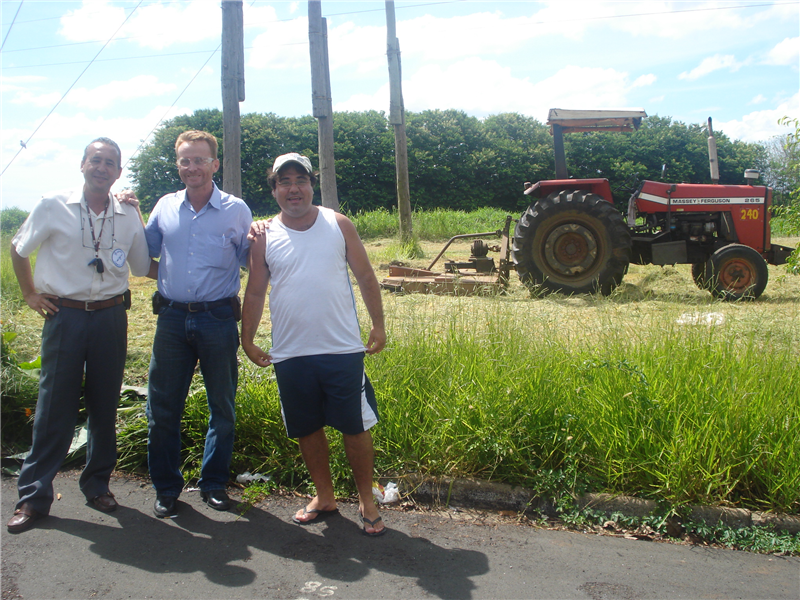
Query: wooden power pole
<point x="397" y="117"/>
<point x="232" y="94"/>
<point x="322" y="106"/>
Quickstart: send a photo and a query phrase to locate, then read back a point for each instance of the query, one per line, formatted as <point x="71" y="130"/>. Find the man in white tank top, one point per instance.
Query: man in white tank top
<point x="316" y="349"/>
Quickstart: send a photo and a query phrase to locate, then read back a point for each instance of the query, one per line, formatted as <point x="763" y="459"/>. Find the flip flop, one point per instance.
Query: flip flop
<point x="372" y="523"/>
<point x="314" y="511"/>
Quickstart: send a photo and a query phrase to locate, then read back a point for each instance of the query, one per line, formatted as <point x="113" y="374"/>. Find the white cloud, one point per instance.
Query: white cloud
<point x="282" y="45"/>
<point x="487" y="34"/>
<point x="158" y="25"/>
<point x="711" y="64"/>
<point x="763" y="124"/>
<point x="83" y="24"/>
<point x="644" y="80"/>
<point x="142" y="86"/>
<point x="15" y="82"/>
<point x="103" y="96"/>
<point x="786" y="52"/>
<point x="497" y="91"/>
<point x="53" y="156"/>
<point x="646" y="18"/>
<point x="759" y="99"/>
<point x="25" y="97"/>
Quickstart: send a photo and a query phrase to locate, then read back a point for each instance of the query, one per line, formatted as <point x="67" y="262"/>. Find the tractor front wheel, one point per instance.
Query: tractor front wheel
<point x="573" y="242"/>
<point x="699" y="275"/>
<point x="736" y="272"/>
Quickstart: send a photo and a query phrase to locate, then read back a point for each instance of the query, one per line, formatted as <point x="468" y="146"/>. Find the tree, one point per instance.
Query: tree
<point x="791" y="210"/>
<point x="455" y="160"/>
<point x="443" y="147"/>
<point x="519" y="149"/>
<point x="364" y="146"/>
<point x="779" y="167"/>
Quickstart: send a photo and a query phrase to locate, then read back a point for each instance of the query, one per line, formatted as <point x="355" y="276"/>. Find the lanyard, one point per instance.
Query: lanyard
<point x="97" y="261"/>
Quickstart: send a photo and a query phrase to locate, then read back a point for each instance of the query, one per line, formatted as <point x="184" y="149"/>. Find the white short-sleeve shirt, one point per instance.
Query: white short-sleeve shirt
<point x="59" y="226"/>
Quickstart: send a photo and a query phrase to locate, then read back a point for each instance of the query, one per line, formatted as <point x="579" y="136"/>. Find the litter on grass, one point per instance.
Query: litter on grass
<point x="247" y="477"/>
<point x="385" y="495"/>
<point x="713" y="318"/>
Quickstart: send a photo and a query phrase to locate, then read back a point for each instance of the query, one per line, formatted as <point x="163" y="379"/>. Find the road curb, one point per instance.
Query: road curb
<point x="475" y="493"/>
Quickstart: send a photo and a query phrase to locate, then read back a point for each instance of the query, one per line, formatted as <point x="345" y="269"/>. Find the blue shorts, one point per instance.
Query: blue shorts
<point x="325" y="389"/>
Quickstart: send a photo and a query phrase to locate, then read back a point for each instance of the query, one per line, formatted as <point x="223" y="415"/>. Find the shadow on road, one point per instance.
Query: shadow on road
<point x="195" y="543"/>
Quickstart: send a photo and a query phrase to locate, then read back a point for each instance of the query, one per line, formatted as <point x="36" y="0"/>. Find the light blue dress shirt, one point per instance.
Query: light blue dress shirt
<point x="200" y="253"/>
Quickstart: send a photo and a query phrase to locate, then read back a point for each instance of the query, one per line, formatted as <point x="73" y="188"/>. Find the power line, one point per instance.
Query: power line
<point x="66" y="45"/>
<point x="135" y="152"/>
<point x="24" y="144"/>
<point x="576" y="19"/>
<point x="146" y="56"/>
<point x="12" y="24"/>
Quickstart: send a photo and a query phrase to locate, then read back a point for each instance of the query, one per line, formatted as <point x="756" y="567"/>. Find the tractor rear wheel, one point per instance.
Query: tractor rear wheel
<point x="573" y="242"/>
<point x="699" y="275"/>
<point x="736" y="272"/>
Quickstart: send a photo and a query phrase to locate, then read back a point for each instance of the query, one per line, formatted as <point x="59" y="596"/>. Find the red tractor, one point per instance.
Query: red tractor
<point x="572" y="239"/>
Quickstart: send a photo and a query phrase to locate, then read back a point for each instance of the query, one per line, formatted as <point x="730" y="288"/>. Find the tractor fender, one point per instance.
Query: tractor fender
<point x="599" y="187"/>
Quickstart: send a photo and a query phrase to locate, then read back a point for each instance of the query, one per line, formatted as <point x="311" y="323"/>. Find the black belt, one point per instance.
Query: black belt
<point x="89" y="305"/>
<point x="193" y="307"/>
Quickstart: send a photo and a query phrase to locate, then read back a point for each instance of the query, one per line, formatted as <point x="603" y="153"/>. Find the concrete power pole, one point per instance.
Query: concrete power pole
<point x="232" y="94"/>
<point x="397" y="118"/>
<point x="322" y="107"/>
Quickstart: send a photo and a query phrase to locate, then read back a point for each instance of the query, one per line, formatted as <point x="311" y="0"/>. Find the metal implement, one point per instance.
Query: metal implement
<point x="478" y="275"/>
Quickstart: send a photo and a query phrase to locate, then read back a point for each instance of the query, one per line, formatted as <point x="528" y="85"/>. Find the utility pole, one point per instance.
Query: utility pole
<point x="322" y="107"/>
<point x="232" y="94"/>
<point x="397" y="118"/>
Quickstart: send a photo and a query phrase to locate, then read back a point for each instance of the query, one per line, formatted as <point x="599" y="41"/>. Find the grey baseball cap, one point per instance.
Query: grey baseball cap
<point x="292" y="157"/>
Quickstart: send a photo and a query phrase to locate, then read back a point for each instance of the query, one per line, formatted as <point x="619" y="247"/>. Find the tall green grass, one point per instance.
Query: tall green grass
<point x="9" y="288"/>
<point x="692" y="414"/>
<point x="11" y="218"/>
<point x="682" y="413"/>
<point x="432" y="225"/>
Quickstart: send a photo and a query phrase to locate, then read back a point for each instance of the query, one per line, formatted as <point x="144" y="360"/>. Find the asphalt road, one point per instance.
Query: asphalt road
<point x="78" y="552"/>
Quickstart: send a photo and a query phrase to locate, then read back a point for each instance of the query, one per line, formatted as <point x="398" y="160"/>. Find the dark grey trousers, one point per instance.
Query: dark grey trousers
<point x="76" y="343"/>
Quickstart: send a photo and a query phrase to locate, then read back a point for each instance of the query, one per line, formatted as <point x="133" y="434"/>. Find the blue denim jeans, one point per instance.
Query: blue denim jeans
<point x="181" y="340"/>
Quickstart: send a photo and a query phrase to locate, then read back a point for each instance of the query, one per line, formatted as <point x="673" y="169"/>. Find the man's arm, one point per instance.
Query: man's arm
<point x="129" y="197"/>
<point x="38" y="302"/>
<point x="367" y="282"/>
<point x="255" y="294"/>
<point x="153" y="272"/>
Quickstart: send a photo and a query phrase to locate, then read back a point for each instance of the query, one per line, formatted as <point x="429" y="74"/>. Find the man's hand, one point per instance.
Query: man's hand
<point x="41" y="304"/>
<point x="256" y="355"/>
<point x="258" y="228"/>
<point x="376" y="341"/>
<point x="128" y="197"/>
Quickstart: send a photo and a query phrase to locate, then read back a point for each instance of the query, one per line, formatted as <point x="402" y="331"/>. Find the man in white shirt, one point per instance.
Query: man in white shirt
<point x="316" y="344"/>
<point x="88" y="242"/>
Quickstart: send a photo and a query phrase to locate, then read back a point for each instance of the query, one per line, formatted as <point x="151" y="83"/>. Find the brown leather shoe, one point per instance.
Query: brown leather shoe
<point x="104" y="502"/>
<point x="23" y="519"/>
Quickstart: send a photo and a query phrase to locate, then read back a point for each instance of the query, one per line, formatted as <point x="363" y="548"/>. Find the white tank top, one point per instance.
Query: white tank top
<point x="311" y="301"/>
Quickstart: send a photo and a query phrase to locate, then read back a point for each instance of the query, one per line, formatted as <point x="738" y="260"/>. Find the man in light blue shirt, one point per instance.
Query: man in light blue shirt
<point x="200" y="236"/>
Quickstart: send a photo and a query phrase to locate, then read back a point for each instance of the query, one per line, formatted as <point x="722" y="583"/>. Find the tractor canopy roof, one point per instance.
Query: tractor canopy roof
<point x="572" y="121"/>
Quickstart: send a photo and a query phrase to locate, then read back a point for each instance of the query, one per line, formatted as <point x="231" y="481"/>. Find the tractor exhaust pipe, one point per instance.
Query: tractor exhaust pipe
<point x="713" y="163"/>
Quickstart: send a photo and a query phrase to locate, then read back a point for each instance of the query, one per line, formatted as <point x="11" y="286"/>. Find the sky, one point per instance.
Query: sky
<point x="74" y="71"/>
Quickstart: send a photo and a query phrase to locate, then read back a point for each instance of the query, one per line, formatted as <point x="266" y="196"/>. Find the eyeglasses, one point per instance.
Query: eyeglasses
<point x="298" y="182"/>
<point x="198" y="161"/>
